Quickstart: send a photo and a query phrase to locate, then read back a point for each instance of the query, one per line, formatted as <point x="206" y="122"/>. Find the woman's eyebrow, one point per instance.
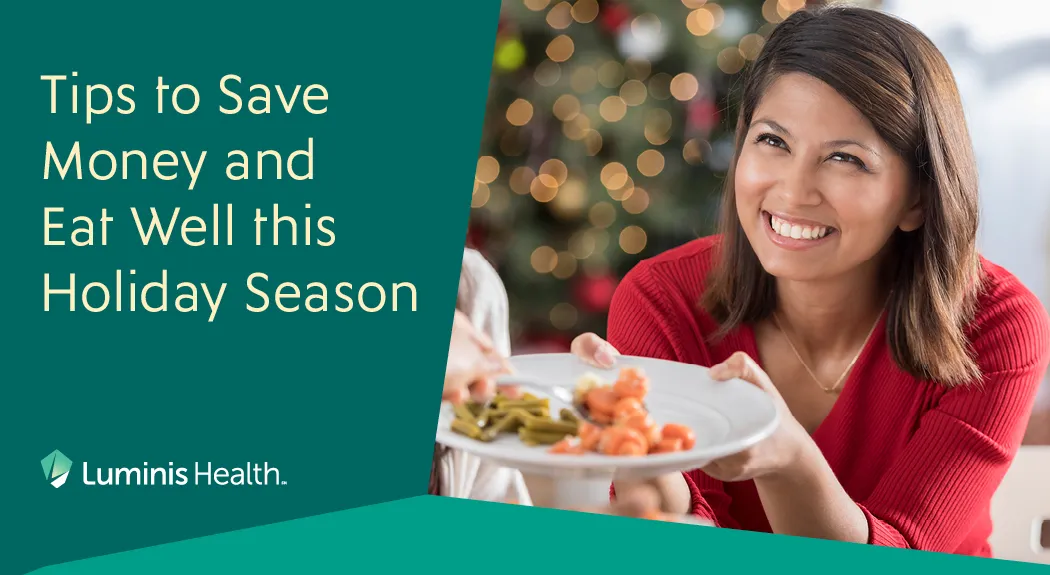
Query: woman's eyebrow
<point x="832" y="144"/>
<point x="775" y="126"/>
<point x="838" y="143"/>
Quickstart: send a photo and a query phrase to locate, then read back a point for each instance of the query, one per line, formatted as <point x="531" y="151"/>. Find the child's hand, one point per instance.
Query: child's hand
<point x="473" y="363"/>
<point x="643" y="502"/>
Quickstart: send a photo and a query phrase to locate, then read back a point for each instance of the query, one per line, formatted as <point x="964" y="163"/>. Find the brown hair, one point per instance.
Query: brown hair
<point x="902" y="84"/>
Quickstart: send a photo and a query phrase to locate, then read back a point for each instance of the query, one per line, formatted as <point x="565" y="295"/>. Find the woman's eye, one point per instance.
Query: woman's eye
<point x="840" y="157"/>
<point x="771" y="140"/>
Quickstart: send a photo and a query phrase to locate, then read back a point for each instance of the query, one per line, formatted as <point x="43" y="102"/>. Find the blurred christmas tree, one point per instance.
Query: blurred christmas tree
<point x="607" y="134"/>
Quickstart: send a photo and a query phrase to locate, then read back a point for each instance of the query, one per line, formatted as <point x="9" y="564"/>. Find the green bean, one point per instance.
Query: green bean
<point x="539" y="437"/>
<point x="568" y="416"/>
<point x="475" y="408"/>
<point x="467" y="428"/>
<point x="464" y="413"/>
<point x="550" y="426"/>
<point x="529" y="397"/>
<point x="533" y="411"/>
<point x="528" y="404"/>
<point x="506" y="423"/>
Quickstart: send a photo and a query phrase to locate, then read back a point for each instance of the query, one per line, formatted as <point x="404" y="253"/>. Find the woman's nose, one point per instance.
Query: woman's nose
<point x="798" y="186"/>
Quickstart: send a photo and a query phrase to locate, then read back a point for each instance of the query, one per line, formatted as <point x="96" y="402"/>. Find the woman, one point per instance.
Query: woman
<point x="847" y="284"/>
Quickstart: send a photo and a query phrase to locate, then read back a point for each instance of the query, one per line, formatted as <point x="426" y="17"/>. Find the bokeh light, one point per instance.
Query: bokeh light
<point x="731" y="60"/>
<point x="544" y="259"/>
<point x="519" y="112"/>
<point x="556" y="169"/>
<point x="650" y="163"/>
<point x="684" y="86"/>
<point x="637" y="68"/>
<point x="585" y="11"/>
<point x="566" y="107"/>
<point x="700" y="22"/>
<point x="751" y="45"/>
<point x="547" y="73"/>
<point x="602" y="215"/>
<point x="571" y="199"/>
<point x="487" y="170"/>
<point x="536" y="5"/>
<point x="560" y="16"/>
<point x="613" y="109"/>
<point x="633" y="93"/>
<point x="614" y="175"/>
<point x="520" y="180"/>
<point x="560" y="48"/>
<point x="632" y="239"/>
<point x="660" y="86"/>
<point x="544" y="188"/>
<point x="638" y="202"/>
<point x="480" y="196"/>
<point x="610" y="74"/>
<point x="584" y="79"/>
<point x="563" y="315"/>
<point x="593" y="140"/>
<point x="657" y="126"/>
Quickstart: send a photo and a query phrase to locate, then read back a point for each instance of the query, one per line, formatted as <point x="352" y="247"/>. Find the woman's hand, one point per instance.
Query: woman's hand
<point x="771" y="456"/>
<point x="644" y="502"/>
<point x="594" y="350"/>
<point x="473" y="364"/>
<point x="778" y="452"/>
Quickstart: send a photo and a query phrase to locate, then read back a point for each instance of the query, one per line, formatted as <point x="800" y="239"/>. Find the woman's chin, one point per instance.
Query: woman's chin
<point x="791" y="271"/>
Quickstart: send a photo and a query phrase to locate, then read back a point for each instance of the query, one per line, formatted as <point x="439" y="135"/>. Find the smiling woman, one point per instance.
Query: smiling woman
<point x="847" y="284"/>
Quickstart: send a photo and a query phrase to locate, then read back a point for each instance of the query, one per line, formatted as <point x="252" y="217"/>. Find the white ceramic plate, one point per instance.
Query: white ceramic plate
<point x="727" y="417"/>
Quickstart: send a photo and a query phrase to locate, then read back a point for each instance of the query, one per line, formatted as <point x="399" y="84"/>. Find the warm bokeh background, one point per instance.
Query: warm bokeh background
<point x="608" y="133"/>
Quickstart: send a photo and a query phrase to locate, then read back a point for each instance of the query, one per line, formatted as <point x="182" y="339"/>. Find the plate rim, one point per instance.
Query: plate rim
<point x="686" y="460"/>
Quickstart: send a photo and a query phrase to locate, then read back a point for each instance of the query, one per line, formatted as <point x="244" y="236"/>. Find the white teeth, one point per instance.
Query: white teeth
<point x="796" y="231"/>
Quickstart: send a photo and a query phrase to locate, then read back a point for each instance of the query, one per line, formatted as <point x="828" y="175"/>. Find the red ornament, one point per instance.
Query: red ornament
<point x="594" y="294"/>
<point x="613" y="16"/>
<point x="476" y="236"/>
<point x="703" y="114"/>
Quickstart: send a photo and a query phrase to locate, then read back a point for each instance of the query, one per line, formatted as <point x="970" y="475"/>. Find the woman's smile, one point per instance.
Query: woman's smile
<point x="794" y="233"/>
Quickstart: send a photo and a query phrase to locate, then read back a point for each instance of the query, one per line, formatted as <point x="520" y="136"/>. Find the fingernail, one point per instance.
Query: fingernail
<point x="606" y="355"/>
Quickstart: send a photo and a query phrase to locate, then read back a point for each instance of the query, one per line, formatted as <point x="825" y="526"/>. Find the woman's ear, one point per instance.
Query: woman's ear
<point x="913" y="216"/>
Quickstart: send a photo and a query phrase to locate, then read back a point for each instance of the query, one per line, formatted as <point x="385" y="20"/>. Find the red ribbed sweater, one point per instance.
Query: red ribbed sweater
<point x="921" y="460"/>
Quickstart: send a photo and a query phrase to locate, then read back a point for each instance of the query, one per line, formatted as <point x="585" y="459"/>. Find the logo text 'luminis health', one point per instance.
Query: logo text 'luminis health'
<point x="202" y="474"/>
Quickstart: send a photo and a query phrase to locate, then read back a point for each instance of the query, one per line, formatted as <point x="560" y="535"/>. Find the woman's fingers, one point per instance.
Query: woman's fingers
<point x="741" y="366"/>
<point x="455" y="393"/>
<point x="637" y="502"/>
<point x="594" y="350"/>
<point x="510" y="391"/>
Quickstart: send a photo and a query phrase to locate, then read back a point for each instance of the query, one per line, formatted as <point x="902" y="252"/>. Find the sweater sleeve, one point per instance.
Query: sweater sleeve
<point x="641" y="323"/>
<point x="939" y="486"/>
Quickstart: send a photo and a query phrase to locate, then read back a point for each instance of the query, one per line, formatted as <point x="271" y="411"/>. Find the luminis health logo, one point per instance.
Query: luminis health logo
<point x="56" y="468"/>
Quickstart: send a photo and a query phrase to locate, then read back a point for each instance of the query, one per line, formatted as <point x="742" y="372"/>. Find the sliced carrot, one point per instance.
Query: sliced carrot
<point x="644" y="424"/>
<point x="589" y="435"/>
<point x="627" y="407"/>
<point x="602" y="399"/>
<point x="632" y="383"/>
<point x="667" y="445"/>
<point x="679" y="431"/>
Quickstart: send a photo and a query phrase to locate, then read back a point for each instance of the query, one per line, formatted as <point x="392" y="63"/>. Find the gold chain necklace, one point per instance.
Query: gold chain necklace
<point x="833" y="388"/>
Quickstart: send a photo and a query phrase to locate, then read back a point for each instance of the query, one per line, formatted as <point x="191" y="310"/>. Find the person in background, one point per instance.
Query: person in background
<point x="478" y="349"/>
<point x="846" y="283"/>
<point x="478" y="352"/>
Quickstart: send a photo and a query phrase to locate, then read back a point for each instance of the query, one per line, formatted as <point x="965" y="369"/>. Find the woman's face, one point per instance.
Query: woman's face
<point x="818" y="193"/>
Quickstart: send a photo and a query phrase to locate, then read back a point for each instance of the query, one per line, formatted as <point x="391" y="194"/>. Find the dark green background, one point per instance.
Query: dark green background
<point x="343" y="404"/>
